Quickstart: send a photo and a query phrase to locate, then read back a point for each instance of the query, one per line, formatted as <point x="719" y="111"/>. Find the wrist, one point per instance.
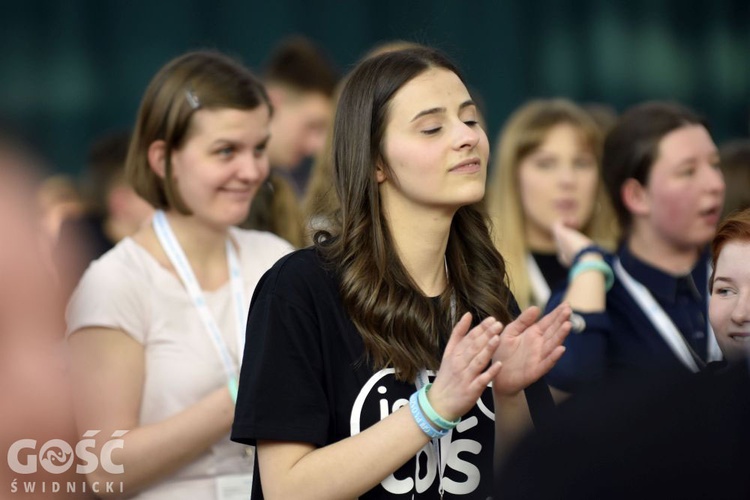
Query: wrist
<point x="589" y="252"/>
<point x="437" y="418"/>
<point x="599" y="265"/>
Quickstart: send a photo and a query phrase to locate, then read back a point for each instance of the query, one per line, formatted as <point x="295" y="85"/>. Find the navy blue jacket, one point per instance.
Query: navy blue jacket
<point x="622" y="340"/>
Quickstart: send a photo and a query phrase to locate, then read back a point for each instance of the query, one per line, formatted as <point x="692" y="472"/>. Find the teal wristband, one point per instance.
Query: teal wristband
<point x="430" y="412"/>
<point x="421" y="421"/>
<point x="594" y="265"/>
<point x="233" y="388"/>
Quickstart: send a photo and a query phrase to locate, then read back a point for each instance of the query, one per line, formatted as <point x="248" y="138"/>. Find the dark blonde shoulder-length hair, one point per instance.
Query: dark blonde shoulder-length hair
<point x="193" y="81"/>
<point x="400" y="327"/>
<point x="523" y="133"/>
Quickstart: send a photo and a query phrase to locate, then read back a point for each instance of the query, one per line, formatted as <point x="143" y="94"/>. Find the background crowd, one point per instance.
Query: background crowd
<point x="620" y="207"/>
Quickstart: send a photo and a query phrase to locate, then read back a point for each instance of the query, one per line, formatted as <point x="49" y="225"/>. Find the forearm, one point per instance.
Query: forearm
<point x="348" y="468"/>
<point x="512" y="421"/>
<point x="587" y="291"/>
<point x="153" y="451"/>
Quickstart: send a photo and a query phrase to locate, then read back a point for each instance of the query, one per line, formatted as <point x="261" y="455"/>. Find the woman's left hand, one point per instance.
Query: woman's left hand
<point x="529" y="348"/>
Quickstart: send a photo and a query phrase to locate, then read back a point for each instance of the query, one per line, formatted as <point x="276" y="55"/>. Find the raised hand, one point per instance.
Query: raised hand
<point x="528" y="349"/>
<point x="466" y="368"/>
<point x="569" y="242"/>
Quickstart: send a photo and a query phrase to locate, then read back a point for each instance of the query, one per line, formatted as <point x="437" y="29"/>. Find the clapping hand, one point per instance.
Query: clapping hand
<point x="466" y="368"/>
<point x="529" y="348"/>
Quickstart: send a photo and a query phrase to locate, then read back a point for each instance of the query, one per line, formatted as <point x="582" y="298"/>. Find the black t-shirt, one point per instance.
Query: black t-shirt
<point x="304" y="378"/>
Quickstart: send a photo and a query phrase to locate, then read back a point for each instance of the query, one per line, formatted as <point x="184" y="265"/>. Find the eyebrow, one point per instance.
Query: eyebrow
<point x="433" y="111"/>
<point x="724" y="279"/>
<point x="234" y="142"/>
<point x="713" y="155"/>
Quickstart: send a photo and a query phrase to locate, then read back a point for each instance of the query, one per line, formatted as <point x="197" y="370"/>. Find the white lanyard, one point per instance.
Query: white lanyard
<point x="663" y="324"/>
<point x="440" y="445"/>
<point x="539" y="287"/>
<point x="181" y="264"/>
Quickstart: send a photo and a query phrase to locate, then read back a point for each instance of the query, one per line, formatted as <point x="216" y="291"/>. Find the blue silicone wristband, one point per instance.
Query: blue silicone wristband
<point x="421" y="420"/>
<point x="594" y="265"/>
<point x="584" y="251"/>
<point x="430" y="412"/>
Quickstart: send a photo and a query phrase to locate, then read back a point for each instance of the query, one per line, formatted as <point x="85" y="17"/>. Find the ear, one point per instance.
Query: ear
<point x="635" y="197"/>
<point x="157" y="157"/>
<point x="380" y="171"/>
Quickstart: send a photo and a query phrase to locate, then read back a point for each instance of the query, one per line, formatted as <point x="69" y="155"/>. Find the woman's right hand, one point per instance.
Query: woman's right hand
<point x="465" y="370"/>
<point x="569" y="242"/>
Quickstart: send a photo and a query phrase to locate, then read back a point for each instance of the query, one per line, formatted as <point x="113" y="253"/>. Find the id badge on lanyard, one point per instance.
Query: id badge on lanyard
<point x="237" y="487"/>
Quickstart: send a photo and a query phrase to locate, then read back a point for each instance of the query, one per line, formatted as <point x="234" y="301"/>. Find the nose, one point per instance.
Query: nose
<point x="741" y="310"/>
<point x="253" y="169"/>
<point x="467" y="136"/>
<point x="714" y="181"/>
<point x="567" y="175"/>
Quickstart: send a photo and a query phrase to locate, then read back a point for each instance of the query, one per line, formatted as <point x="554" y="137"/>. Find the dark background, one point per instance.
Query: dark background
<point x="72" y="69"/>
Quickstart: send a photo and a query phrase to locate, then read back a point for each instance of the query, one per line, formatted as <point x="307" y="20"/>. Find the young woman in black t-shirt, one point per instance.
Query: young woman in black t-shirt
<point x="347" y="329"/>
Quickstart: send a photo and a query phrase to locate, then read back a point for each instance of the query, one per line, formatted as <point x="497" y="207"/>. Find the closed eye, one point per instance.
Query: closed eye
<point x="432" y="131"/>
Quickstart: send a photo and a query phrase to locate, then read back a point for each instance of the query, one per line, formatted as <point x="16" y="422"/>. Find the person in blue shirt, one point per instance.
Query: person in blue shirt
<point x="644" y="309"/>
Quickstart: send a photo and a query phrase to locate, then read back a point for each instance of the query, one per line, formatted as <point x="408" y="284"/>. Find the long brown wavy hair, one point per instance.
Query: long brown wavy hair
<point x="400" y="326"/>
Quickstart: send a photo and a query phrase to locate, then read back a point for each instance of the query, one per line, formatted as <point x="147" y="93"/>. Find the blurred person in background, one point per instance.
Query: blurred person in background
<point x="644" y="310"/>
<point x="301" y="81"/>
<point x="156" y="326"/>
<point x="729" y="308"/>
<point x="675" y="436"/>
<point x="735" y="165"/>
<point x="113" y="210"/>
<point x="59" y="200"/>
<point x="35" y="394"/>
<point x="547" y="169"/>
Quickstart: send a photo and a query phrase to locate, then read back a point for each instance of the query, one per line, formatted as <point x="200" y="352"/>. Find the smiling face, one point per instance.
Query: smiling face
<point x="685" y="189"/>
<point x="434" y="150"/>
<point x="222" y="163"/>
<point x="557" y="181"/>
<point x="729" y="308"/>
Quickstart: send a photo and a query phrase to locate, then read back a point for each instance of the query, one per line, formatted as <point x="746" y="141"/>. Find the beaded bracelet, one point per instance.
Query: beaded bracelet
<point x="430" y="412"/>
<point x="422" y="421"/>
<point x="584" y="251"/>
<point x="594" y="265"/>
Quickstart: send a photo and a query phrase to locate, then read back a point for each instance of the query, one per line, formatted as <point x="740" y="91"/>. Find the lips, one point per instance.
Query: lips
<point x="711" y="214"/>
<point x="740" y="337"/>
<point x="467" y="166"/>
<point x="237" y="192"/>
<point x="566" y="205"/>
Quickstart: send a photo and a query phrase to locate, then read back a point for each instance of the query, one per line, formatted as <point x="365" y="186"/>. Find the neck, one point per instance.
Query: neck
<point x="204" y="246"/>
<point x="661" y="254"/>
<point x="421" y="238"/>
<point x="116" y="230"/>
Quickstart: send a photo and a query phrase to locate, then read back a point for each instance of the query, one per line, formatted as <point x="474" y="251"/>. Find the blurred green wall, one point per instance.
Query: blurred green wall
<point x="73" y="69"/>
